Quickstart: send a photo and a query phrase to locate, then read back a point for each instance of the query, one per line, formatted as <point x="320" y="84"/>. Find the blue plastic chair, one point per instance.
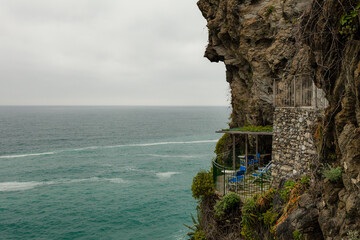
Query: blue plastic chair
<point x="263" y="171"/>
<point x="238" y="177"/>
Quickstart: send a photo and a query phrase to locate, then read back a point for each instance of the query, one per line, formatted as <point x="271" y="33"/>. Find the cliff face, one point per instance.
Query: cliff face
<point x="256" y="41"/>
<point x="263" y="40"/>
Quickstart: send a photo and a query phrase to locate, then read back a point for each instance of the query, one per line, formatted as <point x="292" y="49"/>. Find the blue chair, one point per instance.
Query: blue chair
<point x="251" y="160"/>
<point x="238" y="177"/>
<point x="263" y="172"/>
<point x="242" y="168"/>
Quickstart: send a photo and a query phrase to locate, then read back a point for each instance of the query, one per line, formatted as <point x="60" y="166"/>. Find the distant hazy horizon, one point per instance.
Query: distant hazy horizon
<point x="115" y="105"/>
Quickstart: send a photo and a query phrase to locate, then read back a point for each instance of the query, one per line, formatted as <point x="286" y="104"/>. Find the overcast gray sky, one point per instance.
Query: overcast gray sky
<point x="106" y="52"/>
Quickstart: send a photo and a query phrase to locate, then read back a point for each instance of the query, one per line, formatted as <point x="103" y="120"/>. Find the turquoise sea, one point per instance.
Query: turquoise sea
<point x="102" y="172"/>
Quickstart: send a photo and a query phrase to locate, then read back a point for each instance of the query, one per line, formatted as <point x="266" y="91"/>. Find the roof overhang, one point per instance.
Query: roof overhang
<point x="244" y="132"/>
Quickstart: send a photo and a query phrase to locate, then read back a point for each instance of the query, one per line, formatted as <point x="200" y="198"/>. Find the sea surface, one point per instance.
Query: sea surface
<point x="102" y="172"/>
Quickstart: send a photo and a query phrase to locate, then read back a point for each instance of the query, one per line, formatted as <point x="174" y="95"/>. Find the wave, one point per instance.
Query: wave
<point x="17" y="186"/>
<point x="21" y="186"/>
<point x="171" y="156"/>
<point x="115" y="180"/>
<point x="27" y="155"/>
<point x="166" y="143"/>
<point x="107" y="147"/>
<point x="166" y="174"/>
<point x="143" y="145"/>
<point x="151" y="172"/>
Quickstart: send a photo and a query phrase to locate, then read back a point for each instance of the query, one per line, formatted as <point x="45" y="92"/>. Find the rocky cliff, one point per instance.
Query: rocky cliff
<point x="263" y="40"/>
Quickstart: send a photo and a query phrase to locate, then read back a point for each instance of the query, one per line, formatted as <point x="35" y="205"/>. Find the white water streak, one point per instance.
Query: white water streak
<point x="27" y="155"/>
<point x="21" y="186"/>
<point x="105" y="147"/>
<point x="166" y="174"/>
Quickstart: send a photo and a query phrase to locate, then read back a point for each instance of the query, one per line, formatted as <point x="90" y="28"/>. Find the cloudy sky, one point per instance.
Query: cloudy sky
<point x="106" y="52"/>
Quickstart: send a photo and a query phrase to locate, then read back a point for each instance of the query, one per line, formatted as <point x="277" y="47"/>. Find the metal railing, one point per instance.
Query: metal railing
<point x="300" y="92"/>
<point x="245" y="182"/>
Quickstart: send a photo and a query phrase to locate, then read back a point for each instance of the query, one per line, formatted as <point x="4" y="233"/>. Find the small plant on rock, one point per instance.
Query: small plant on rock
<point x="297" y="235"/>
<point x="199" y="235"/>
<point x="269" y="11"/>
<point x="269" y="217"/>
<point x="196" y="229"/>
<point x="288" y="186"/>
<point x="352" y="235"/>
<point x="305" y="180"/>
<point x="332" y="174"/>
<point x="291" y="195"/>
<point x="350" y="22"/>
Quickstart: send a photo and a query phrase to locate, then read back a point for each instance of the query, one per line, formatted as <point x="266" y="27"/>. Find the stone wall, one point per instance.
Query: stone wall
<point x="293" y="146"/>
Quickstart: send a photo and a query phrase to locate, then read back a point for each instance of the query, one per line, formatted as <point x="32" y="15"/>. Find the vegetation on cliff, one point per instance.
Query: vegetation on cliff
<point x="260" y="41"/>
<point x="252" y="128"/>
<point x="256" y="218"/>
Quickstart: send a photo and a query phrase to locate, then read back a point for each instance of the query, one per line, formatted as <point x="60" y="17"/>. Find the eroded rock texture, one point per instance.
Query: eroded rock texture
<point x="256" y="41"/>
<point x="263" y="40"/>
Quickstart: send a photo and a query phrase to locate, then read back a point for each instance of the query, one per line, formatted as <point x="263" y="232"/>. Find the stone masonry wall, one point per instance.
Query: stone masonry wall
<point x="293" y="146"/>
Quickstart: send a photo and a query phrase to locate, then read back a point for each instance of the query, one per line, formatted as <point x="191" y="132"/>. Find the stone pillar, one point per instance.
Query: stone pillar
<point x="292" y="147"/>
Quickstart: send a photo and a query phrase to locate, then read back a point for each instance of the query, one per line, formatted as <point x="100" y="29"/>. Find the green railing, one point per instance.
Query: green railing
<point x="253" y="180"/>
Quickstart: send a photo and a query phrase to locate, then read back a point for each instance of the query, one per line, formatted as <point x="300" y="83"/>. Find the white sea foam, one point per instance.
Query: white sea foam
<point x="166" y="174"/>
<point x="69" y="181"/>
<point x="115" y="180"/>
<point x="142" y="145"/>
<point x="27" y="155"/>
<point x="172" y="156"/>
<point x="134" y="169"/>
<point x="168" y="143"/>
<point x="21" y="186"/>
<point x="85" y="148"/>
<point x="112" y="146"/>
<point x="17" y="186"/>
<point x="157" y="144"/>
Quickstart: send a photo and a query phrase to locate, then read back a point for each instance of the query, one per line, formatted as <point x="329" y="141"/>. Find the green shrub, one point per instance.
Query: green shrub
<point x="288" y="186"/>
<point x="332" y="174"/>
<point x="247" y="233"/>
<point x="220" y="147"/>
<point x="269" y="11"/>
<point x="230" y="201"/>
<point x="258" y="210"/>
<point x="219" y="208"/>
<point x="269" y="217"/>
<point x="203" y="185"/>
<point x="196" y="229"/>
<point x="199" y="235"/>
<point x="350" y="22"/>
<point x="305" y="180"/>
<point x="297" y="235"/>
<point x="352" y="235"/>
<point x="249" y="211"/>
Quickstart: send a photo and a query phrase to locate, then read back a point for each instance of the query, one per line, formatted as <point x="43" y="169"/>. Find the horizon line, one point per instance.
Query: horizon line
<point x="115" y="105"/>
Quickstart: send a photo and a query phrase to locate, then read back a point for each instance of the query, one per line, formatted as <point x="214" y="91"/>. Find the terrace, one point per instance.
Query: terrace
<point x="249" y="168"/>
<point x="249" y="171"/>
